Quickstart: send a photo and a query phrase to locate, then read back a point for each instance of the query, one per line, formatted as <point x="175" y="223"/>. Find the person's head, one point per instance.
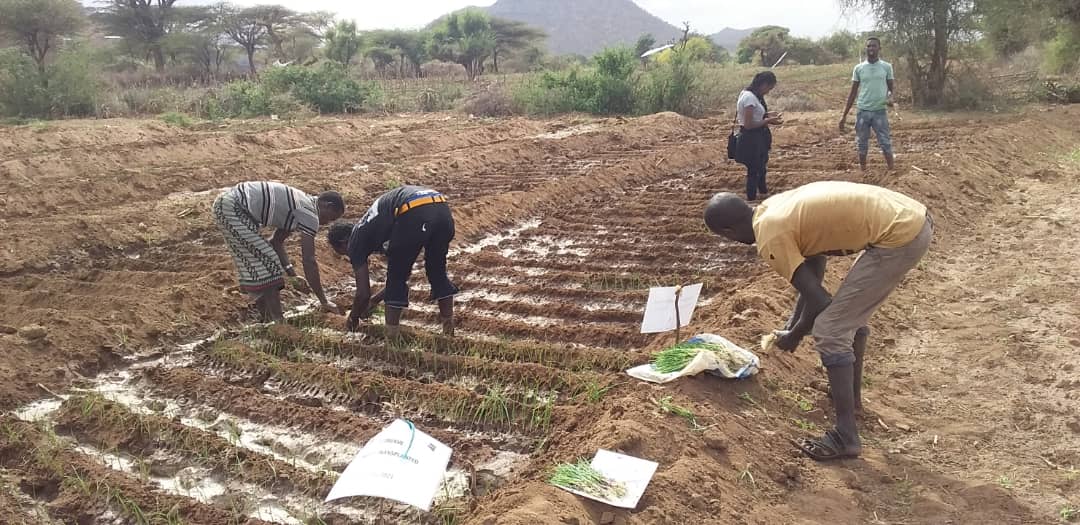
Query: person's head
<point x="873" y="48"/>
<point x="762" y="83"/>
<point x="727" y="215"/>
<point x="338" y="236"/>
<point x="331" y="206"/>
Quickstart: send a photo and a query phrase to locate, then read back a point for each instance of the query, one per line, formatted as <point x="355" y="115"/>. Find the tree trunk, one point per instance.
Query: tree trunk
<point x="159" y="58"/>
<point x="935" y="81"/>
<point x="495" y="60"/>
<point x="251" y="60"/>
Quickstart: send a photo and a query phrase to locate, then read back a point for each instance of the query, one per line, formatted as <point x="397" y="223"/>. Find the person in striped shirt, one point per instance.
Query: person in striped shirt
<point x="262" y="264"/>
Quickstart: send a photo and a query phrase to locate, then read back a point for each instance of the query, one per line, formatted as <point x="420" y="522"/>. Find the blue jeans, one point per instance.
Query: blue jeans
<point x="879" y="122"/>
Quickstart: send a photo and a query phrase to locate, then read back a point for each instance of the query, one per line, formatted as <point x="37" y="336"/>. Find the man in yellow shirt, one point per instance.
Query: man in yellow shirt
<point x="795" y="231"/>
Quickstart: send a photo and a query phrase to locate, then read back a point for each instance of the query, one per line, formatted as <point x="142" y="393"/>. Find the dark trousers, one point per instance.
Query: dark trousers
<point x="756" y="169"/>
<point x="431" y="228"/>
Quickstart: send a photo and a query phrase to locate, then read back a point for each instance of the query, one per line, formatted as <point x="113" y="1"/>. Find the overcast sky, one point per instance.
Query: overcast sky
<point x="812" y="18"/>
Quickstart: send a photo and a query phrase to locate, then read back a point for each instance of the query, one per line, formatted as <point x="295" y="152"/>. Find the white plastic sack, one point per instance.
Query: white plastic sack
<point x="732" y="362"/>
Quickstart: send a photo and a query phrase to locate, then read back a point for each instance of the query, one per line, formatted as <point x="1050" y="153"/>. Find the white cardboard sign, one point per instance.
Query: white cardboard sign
<point x="660" y="310"/>
<point x="634" y="473"/>
<point x="400" y="463"/>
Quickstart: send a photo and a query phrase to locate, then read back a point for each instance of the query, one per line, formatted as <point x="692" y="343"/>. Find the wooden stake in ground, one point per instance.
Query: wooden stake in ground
<point x="678" y="320"/>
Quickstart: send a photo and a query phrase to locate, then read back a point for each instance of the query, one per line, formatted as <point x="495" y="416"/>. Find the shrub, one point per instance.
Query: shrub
<point x="1063" y="52"/>
<point x="327" y="88"/>
<point x="21" y="90"/>
<point x="672" y="86"/>
<point x="242" y="98"/>
<point x="69" y="86"/>
<point x="179" y="120"/>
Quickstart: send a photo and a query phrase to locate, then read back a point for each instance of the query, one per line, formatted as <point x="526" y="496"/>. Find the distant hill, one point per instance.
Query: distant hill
<point x="729" y="38"/>
<point x="584" y="27"/>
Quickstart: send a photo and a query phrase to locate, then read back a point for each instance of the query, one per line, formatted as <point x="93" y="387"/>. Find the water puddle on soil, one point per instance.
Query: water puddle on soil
<point x="496" y="238"/>
<point x="306" y="451"/>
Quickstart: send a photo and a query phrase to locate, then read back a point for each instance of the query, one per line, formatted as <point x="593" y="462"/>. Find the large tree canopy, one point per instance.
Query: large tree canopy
<point x="37" y="25"/>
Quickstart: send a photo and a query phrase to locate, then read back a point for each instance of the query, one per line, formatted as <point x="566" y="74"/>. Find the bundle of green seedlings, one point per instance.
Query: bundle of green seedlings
<point x="582" y="477"/>
<point x="677" y="357"/>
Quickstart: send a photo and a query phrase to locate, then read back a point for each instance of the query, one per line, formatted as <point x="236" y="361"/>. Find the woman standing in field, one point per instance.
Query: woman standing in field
<point x="755" y="139"/>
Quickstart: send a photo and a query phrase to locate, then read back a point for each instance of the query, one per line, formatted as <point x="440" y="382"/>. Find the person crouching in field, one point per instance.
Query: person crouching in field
<point x="794" y="232"/>
<point x="399" y="224"/>
<point x="263" y="264"/>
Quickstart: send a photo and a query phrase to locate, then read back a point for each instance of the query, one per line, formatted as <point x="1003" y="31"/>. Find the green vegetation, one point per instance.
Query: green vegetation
<point x="179" y="120"/>
<point x="581" y="476"/>
<point x="190" y="59"/>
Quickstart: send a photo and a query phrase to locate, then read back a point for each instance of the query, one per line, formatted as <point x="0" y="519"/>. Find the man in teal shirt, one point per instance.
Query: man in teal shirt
<point x="872" y="84"/>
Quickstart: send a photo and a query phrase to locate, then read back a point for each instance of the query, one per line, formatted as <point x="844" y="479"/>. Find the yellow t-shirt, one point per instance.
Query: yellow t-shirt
<point x="833" y="217"/>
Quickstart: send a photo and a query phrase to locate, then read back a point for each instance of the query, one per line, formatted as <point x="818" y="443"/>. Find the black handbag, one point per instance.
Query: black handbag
<point x="733" y="139"/>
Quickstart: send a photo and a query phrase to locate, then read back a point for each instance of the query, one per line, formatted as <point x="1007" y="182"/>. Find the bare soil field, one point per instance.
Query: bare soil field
<point x="148" y="396"/>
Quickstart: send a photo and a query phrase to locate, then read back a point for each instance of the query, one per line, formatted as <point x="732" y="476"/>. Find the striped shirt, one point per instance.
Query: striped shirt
<point x="275" y="204"/>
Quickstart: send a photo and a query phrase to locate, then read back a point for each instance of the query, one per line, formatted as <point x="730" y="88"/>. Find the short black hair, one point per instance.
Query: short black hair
<point x="339" y="233"/>
<point x="875" y="39"/>
<point x="334" y="199"/>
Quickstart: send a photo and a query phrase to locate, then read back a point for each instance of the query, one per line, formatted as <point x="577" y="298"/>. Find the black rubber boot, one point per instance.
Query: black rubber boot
<point x="842" y="385"/>
<point x="859" y="346"/>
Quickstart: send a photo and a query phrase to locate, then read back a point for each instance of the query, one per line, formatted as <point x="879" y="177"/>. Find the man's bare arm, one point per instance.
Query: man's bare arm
<point x="311" y="268"/>
<point x="817" y="263"/>
<point x="850" y="101"/>
<point x="816" y="298"/>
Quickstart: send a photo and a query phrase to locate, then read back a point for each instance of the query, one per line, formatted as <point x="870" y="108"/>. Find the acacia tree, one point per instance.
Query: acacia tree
<point x="245" y="27"/>
<point x="38" y="24"/>
<point x="276" y="21"/>
<point x="644" y="43"/>
<point x="768" y="42"/>
<point x="200" y="38"/>
<point x="144" y="22"/>
<point x="342" y="42"/>
<point x="466" y="38"/>
<point x="923" y="33"/>
<point x="303" y="37"/>
<point x="511" y="35"/>
<point x="409" y="48"/>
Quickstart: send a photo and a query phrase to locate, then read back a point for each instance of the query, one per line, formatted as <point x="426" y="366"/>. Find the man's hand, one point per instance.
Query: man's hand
<point x="787" y="340"/>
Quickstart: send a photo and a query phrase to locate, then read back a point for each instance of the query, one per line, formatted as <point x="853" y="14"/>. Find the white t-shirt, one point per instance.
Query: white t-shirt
<point x="749" y="100"/>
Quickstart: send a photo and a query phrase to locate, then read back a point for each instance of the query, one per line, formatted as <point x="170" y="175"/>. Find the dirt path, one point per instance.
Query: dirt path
<point x="986" y="376"/>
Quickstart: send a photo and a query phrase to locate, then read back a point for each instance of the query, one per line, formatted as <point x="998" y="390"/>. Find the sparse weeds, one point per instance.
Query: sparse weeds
<point x="122" y="336"/>
<point x="748" y="399"/>
<point x="668" y="406"/>
<point x="179" y="120"/>
<point x="1069" y="513"/>
<point x="745" y="476"/>
<point x="1073" y="158"/>
<point x="392" y="183"/>
<point x="1005" y="481"/>
<point x="808" y="426"/>
<point x="804" y="405"/>
<point x="595" y="391"/>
